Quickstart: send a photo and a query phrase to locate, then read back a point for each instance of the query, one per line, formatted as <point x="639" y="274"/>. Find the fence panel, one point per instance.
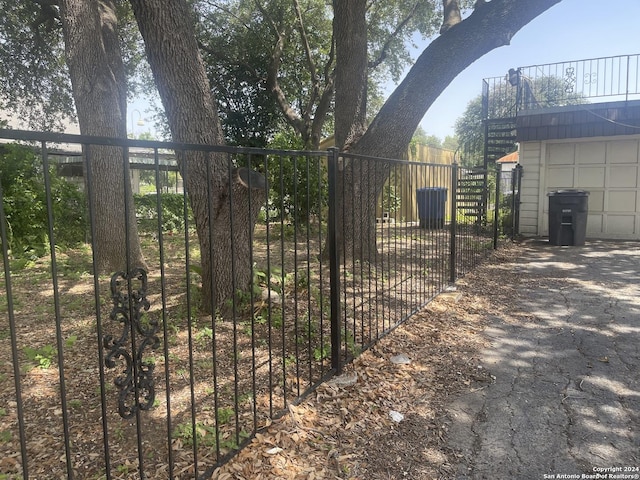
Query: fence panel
<point x="150" y="370"/>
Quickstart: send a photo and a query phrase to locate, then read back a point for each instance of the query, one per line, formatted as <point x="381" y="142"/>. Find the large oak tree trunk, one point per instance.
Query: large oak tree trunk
<point x="491" y="25"/>
<point x="217" y="193"/>
<point x="99" y="84"/>
<point x="350" y="33"/>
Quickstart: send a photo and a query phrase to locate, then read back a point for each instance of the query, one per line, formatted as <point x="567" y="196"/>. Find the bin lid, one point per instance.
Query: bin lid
<point x="568" y="193"/>
<point x="431" y="189"/>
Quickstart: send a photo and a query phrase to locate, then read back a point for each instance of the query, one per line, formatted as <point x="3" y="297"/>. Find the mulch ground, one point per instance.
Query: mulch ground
<point x="338" y="431"/>
<point x="348" y="431"/>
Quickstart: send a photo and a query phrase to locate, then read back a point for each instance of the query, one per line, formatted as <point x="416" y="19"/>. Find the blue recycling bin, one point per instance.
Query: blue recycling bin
<point x="431" y="206"/>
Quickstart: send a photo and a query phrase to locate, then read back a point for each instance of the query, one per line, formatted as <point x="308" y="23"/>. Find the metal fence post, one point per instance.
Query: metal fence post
<point x="334" y="261"/>
<point x="454" y="223"/>
<point x="515" y="210"/>
<point x="496" y="208"/>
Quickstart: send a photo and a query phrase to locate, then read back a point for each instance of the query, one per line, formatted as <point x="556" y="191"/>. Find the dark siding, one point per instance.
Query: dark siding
<point x="579" y="121"/>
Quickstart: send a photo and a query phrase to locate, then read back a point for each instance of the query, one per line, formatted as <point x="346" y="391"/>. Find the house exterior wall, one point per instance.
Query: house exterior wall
<point x="532" y="163"/>
<point x="607" y="167"/>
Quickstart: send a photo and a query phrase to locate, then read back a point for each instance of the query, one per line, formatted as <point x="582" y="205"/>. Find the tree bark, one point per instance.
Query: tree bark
<point x="491" y="25"/>
<point x="99" y="87"/>
<point x="451" y="14"/>
<point x="350" y="33"/>
<point x="225" y="201"/>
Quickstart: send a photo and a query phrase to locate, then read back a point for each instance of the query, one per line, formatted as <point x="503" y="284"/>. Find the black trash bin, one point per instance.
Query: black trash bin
<point x="568" y="217"/>
<point x="431" y="206"/>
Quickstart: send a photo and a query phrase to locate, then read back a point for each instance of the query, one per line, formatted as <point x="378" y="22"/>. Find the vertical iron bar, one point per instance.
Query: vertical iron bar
<point x="496" y="206"/>
<point x="371" y="250"/>
<point x="214" y="328"/>
<point x="376" y="268"/>
<point x="626" y="96"/>
<point x="236" y="352"/>
<point x="284" y="276"/>
<point x="96" y="289"/>
<point x="254" y="403"/>
<point x="14" y="341"/>
<point x="269" y="297"/>
<point x="320" y="266"/>
<point x="454" y="223"/>
<point x="187" y="259"/>
<point x="343" y="264"/>
<point x="57" y="314"/>
<point x="334" y="260"/>
<point x="308" y="260"/>
<point x="364" y="216"/>
<point x="129" y="267"/>
<point x="163" y="290"/>
<point x="356" y="171"/>
<point x="516" y="200"/>
<point x="296" y="325"/>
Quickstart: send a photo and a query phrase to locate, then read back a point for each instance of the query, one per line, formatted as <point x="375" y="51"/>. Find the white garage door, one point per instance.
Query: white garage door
<point x="610" y="171"/>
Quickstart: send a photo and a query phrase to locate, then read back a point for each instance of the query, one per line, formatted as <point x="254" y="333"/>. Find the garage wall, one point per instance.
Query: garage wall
<point x="607" y="167"/>
<point x="531" y="154"/>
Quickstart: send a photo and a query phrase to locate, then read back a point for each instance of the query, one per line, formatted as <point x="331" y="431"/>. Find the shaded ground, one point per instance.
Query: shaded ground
<point x="247" y="363"/>
<point x="533" y="372"/>
<point x="529" y="369"/>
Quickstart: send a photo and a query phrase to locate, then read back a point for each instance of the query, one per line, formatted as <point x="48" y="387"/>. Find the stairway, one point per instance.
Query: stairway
<point x="500" y="138"/>
<point x="471" y="195"/>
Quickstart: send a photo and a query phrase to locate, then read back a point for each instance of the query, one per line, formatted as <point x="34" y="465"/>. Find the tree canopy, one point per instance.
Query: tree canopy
<point x="280" y="56"/>
<point x="239" y="62"/>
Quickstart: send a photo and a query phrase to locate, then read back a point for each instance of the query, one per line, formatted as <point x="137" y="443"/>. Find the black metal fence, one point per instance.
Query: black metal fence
<point x="132" y="373"/>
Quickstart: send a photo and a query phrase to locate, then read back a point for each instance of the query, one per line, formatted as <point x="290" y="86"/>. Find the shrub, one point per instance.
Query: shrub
<point x="172" y="207"/>
<point x="293" y="179"/>
<point x="25" y="204"/>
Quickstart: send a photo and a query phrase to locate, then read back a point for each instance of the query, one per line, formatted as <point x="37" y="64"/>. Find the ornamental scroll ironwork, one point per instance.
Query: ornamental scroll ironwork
<point x="570" y="80"/>
<point x="136" y="383"/>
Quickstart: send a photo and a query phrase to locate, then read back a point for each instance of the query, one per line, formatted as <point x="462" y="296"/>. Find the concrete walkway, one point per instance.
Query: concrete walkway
<point x="565" y="402"/>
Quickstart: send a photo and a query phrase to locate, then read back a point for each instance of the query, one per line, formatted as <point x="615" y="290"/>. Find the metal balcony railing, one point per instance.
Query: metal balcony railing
<point x="593" y="80"/>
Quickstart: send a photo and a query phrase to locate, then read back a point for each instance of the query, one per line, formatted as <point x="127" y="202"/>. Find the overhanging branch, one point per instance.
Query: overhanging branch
<point x="491" y="26"/>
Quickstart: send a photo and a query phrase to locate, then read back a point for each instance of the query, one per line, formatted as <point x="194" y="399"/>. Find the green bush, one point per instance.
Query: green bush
<point x="298" y="187"/>
<point x="25" y="204"/>
<point x="172" y="207"/>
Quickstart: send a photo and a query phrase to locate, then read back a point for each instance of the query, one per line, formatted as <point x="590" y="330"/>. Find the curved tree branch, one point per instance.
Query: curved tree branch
<point x="291" y="116"/>
<point x="485" y="29"/>
<point x="315" y="88"/>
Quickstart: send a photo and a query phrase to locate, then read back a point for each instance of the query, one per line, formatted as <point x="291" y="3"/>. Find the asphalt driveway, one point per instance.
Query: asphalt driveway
<point x="565" y="396"/>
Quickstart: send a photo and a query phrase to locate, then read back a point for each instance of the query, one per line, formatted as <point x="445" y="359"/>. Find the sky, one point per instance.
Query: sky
<point x="570" y="30"/>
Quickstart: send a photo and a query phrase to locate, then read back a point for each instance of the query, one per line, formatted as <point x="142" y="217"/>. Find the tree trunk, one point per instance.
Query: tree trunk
<point x="350" y="33"/>
<point x="217" y="192"/>
<point x="491" y="25"/>
<point x="99" y="90"/>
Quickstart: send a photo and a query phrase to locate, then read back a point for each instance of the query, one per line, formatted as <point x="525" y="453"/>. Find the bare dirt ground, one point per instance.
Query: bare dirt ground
<point x="347" y="431"/>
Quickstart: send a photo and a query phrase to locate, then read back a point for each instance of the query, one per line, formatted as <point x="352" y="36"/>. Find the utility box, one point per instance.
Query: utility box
<point x="568" y="211"/>
<point x="431" y="206"/>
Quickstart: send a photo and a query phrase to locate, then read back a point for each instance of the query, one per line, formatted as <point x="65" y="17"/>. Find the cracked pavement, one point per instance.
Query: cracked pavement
<point x="565" y="396"/>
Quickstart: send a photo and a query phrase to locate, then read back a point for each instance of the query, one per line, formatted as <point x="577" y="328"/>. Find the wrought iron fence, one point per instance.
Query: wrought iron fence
<point x="564" y="83"/>
<point x="131" y="373"/>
